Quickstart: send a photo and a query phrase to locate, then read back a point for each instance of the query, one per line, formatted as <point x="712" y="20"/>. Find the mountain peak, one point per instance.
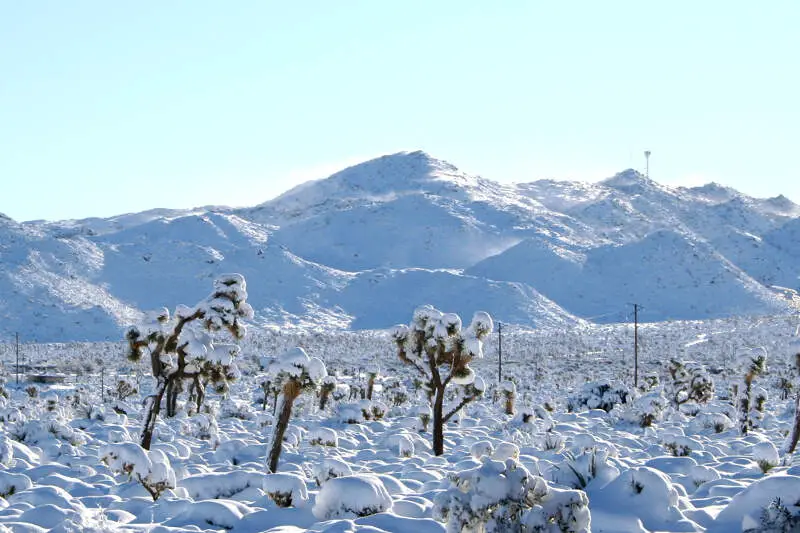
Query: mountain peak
<point x="781" y="202"/>
<point x="628" y="179"/>
<point x="383" y="177"/>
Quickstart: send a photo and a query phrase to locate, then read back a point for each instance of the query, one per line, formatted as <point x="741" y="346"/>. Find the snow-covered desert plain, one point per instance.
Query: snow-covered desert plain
<point x="226" y="383"/>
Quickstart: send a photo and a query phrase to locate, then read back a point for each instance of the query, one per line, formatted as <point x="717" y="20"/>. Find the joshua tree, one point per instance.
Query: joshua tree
<point x="436" y="346"/>
<point x="180" y="347"/>
<point x="326" y="388"/>
<point x="294" y="373"/>
<point x="372" y="374"/>
<point x="754" y="366"/>
<point x="510" y="394"/>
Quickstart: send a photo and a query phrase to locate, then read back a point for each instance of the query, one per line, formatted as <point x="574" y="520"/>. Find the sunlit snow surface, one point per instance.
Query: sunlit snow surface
<point x="65" y="454"/>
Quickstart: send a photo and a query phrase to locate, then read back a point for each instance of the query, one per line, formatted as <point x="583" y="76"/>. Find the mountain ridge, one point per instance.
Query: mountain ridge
<point x="364" y="246"/>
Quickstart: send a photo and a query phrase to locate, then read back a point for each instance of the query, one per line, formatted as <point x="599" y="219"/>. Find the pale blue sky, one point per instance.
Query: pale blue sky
<point x="113" y="107"/>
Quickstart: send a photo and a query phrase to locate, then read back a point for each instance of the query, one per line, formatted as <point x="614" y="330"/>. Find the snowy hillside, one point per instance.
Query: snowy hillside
<point x="365" y="246"/>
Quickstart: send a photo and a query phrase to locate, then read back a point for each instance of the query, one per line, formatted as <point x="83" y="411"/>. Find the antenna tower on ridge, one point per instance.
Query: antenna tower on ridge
<point x="647" y="164"/>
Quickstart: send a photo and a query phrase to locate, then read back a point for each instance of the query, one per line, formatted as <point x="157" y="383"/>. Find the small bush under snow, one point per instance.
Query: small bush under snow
<point x="351" y="497"/>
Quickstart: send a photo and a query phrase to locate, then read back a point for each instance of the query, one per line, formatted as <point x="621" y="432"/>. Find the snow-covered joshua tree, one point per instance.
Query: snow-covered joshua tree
<point x="181" y="349"/>
<point x="440" y="350"/>
<point x="294" y="372"/>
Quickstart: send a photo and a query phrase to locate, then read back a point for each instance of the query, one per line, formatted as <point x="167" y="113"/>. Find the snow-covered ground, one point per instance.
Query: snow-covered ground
<point x="563" y="443"/>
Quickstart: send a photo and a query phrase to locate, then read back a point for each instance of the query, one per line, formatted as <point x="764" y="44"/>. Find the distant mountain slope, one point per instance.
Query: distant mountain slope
<point x="362" y="248"/>
<point x="407" y="210"/>
<point x="672" y="276"/>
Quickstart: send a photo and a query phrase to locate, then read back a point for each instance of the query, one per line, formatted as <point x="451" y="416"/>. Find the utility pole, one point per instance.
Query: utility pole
<point x="636" y="345"/>
<point x="499" y="352"/>
<point x="16" y="338"/>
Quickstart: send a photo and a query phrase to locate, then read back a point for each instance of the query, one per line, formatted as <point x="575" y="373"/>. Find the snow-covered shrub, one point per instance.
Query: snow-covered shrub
<point x="286" y="490"/>
<point x="646" y="409"/>
<point x="552" y="441"/>
<point x="377" y="410"/>
<point x="504" y="451"/>
<point x="296" y="372"/>
<point x="181" y="350"/>
<point x="690" y="383"/>
<point x="649" y="382"/>
<point x="232" y="409"/>
<point x="351" y="497"/>
<point x="498" y="496"/>
<point x="578" y="471"/>
<point x="341" y="392"/>
<point x="766" y="456"/>
<point x="401" y="444"/>
<point x="329" y="468"/>
<point x="125" y="389"/>
<point x="12" y="483"/>
<point x="649" y="497"/>
<point x="323" y="437"/>
<point x="51" y="401"/>
<point x="702" y="474"/>
<point x="350" y="413"/>
<point x="151" y="468"/>
<point x="424" y="414"/>
<point x="717" y="422"/>
<point x="6" y="451"/>
<point x="204" y="427"/>
<point x="36" y="432"/>
<point x="603" y="395"/>
<point x="396" y="393"/>
<point x="777" y="517"/>
<point x="755" y="509"/>
<point x="437" y="347"/>
<point x="222" y="485"/>
<point x="678" y="445"/>
<point x="481" y="449"/>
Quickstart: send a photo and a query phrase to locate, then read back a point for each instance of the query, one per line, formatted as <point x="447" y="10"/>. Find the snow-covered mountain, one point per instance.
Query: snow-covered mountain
<point x="362" y="248"/>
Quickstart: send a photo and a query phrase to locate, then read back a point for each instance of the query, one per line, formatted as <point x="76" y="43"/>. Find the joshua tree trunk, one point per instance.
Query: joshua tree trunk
<point x="438" y="422"/>
<point x="154" y="407"/>
<point x="745" y="404"/>
<point x="510" y="403"/>
<point x="200" y="392"/>
<point x="324" y="394"/>
<point x="290" y="392"/>
<point x="265" y="388"/>
<point x="792" y="444"/>
<point x="370" y="386"/>
<point x="173" y="389"/>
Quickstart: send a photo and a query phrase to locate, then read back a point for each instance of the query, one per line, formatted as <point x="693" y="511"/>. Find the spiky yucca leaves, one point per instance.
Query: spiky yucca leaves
<point x="181" y="349"/>
<point x="440" y="350"/>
